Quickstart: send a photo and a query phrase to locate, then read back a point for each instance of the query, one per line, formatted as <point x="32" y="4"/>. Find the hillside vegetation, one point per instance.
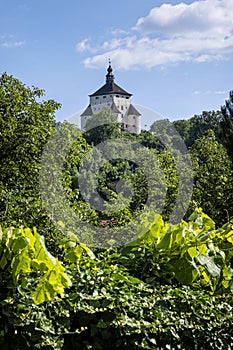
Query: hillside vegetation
<point x="95" y="254"/>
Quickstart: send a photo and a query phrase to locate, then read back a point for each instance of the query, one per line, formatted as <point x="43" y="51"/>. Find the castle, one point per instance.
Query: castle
<point x="112" y="96"/>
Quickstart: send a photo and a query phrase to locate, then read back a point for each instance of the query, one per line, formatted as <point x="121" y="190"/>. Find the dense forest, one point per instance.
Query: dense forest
<point x="112" y="240"/>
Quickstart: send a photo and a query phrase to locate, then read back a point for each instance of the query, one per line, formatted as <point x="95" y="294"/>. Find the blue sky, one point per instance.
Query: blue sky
<point x="174" y="57"/>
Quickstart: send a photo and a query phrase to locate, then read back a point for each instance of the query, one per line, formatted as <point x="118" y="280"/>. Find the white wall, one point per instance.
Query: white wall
<point x="132" y="123"/>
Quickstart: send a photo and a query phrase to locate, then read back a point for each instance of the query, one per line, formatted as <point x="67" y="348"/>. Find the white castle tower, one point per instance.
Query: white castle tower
<point x="112" y="96"/>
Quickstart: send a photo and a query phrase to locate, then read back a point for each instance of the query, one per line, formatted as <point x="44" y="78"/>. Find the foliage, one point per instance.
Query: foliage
<point x="164" y="131"/>
<point x="29" y="276"/>
<point x="117" y="310"/>
<point x="197" y="126"/>
<point x="147" y="139"/>
<point x="26" y="123"/>
<point x="168" y="289"/>
<point x="23" y="254"/>
<point x="192" y="252"/>
<point x="129" y="181"/>
<point x="213" y="188"/>
<point x="226" y="125"/>
<point x="62" y="156"/>
<point x="102" y="126"/>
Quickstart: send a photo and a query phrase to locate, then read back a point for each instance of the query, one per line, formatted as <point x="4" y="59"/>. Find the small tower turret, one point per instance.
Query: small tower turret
<point x="109" y="76"/>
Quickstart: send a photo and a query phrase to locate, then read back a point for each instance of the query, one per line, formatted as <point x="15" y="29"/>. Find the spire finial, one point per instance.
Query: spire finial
<point x="109" y="76"/>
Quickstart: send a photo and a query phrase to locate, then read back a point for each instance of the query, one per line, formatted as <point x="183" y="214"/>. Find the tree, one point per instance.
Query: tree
<point x="102" y="126"/>
<point x="226" y="125"/>
<point x="26" y="123"/>
<point x="197" y="126"/>
<point x="213" y="188"/>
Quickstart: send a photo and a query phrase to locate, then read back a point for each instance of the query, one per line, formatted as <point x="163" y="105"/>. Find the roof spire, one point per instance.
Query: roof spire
<point x="109" y="76"/>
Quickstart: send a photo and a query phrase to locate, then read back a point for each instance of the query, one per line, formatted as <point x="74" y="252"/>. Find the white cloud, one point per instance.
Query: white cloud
<point x="9" y="42"/>
<point x="119" y="31"/>
<point x="84" y="45"/>
<point x="198" y="18"/>
<point x="210" y="92"/>
<point x="198" y="32"/>
<point x="114" y="44"/>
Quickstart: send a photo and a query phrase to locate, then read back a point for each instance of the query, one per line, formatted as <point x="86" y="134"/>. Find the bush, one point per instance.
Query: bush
<point x="134" y="297"/>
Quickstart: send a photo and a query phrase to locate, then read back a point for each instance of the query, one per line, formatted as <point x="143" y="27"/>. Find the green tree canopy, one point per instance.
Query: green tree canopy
<point x="26" y="122"/>
<point x="197" y="126"/>
<point x="213" y="190"/>
<point x="102" y="126"/>
<point x="226" y="125"/>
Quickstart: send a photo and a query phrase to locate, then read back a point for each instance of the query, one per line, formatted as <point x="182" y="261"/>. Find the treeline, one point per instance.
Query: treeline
<point x="27" y="122"/>
<point x="208" y="138"/>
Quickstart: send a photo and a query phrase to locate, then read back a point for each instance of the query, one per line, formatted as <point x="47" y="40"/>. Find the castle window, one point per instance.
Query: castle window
<point x="104" y="96"/>
<point x="122" y="108"/>
<point x="117" y="95"/>
<point x="97" y="98"/>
